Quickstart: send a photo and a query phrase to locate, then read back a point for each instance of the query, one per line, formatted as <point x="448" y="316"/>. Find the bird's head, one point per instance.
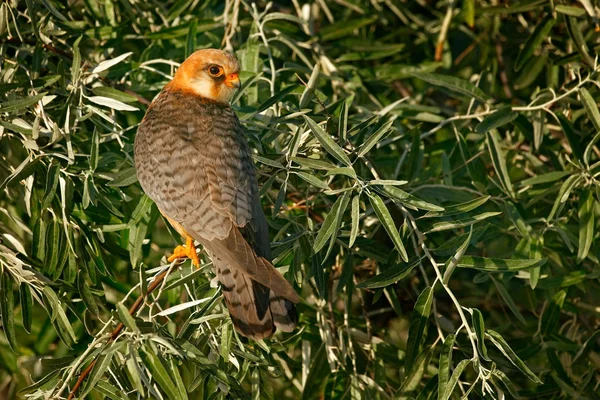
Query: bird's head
<point x="209" y="73"/>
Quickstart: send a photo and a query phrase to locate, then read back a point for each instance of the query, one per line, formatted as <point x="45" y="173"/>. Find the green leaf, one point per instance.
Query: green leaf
<point x="586" y="223"/>
<point x="454" y="378"/>
<point x="418" y="321"/>
<point x="7" y="308"/>
<point x="327" y="142"/>
<point x="390" y="275"/>
<point x="375" y="138"/>
<point x="312" y="180"/>
<point x="76" y="64"/>
<point x="26" y="306"/>
<point x="58" y="317"/>
<point x="17" y="105"/>
<point x="479" y="327"/>
<point x="534" y="41"/>
<point x="500" y="117"/>
<point x="573" y="26"/>
<point x="460" y="223"/>
<point x="454" y="84"/>
<point x="276" y="98"/>
<point x="355" y="219"/>
<point x="501" y="344"/>
<point x="551" y="315"/>
<point x="159" y="373"/>
<point x="497" y="264"/>
<point x="106" y="91"/>
<point x="329" y="225"/>
<point x="408" y="199"/>
<point x="126" y="177"/>
<point x="344" y="28"/>
<point x="563" y="194"/>
<point x="125" y="317"/>
<point x="388" y="223"/>
<point x="190" y="41"/>
<point x="459" y="208"/>
<point x="51" y="184"/>
<point x="545" y="178"/>
<point x="444" y="365"/>
<point x="102" y="363"/>
<point x="590" y="107"/>
<point x="499" y="162"/>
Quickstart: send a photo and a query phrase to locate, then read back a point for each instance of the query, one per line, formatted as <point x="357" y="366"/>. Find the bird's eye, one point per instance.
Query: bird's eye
<point x="215" y="70"/>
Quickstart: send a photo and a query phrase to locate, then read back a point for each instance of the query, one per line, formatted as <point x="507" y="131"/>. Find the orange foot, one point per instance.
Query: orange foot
<point x="187" y="251"/>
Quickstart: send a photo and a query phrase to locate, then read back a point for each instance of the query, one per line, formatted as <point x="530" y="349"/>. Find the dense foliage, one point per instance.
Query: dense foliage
<point x="429" y="171"/>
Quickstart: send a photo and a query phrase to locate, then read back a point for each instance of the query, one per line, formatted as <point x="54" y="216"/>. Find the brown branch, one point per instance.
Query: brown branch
<point x="115" y="334"/>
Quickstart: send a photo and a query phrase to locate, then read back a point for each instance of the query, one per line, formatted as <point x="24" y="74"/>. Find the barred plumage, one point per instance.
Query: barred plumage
<point x="193" y="160"/>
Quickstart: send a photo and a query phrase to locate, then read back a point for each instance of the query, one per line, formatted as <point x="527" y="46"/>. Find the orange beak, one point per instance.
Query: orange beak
<point x="233" y="81"/>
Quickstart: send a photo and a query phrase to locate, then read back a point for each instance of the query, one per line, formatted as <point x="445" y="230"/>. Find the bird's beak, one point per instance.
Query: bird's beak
<point x="233" y="81"/>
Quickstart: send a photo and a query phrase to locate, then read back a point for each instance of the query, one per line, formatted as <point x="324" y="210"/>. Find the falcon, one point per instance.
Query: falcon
<point x="193" y="159"/>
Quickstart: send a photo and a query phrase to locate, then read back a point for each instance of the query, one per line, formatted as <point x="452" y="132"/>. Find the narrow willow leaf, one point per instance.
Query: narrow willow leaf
<point x="102" y="363"/>
<point x="390" y="276"/>
<point x="159" y="373"/>
<point x="312" y="163"/>
<point x="415" y="373"/>
<point x="329" y="225"/>
<point x="589" y="148"/>
<point x="474" y="165"/>
<point x="504" y="293"/>
<point x="141" y="210"/>
<point x="338" y="221"/>
<point x="319" y="275"/>
<point x="178" y="380"/>
<point x="501" y="117"/>
<point x="454" y="84"/>
<point x="479" y="327"/>
<point x="111" y="392"/>
<point x="459" y="208"/>
<point x="17" y="105"/>
<point x="388" y="223"/>
<point x="126" y="177"/>
<point x="468" y="13"/>
<point x="586" y="223"/>
<point x="563" y="194"/>
<point x="552" y="313"/>
<point x="125" y="317"/>
<point x="276" y="98"/>
<point x="58" y="317"/>
<point x="418" y="321"/>
<point x="190" y="40"/>
<point x="408" y="199"/>
<point x="106" y="64"/>
<point x="345" y="27"/>
<point x="499" y="162"/>
<point x="26" y="306"/>
<point x="25" y="169"/>
<point x="590" y="107"/>
<point x="533" y="68"/>
<point x="535" y="252"/>
<point x="111" y="103"/>
<point x="572" y="137"/>
<point x="347" y="171"/>
<point x="415" y="158"/>
<point x="375" y="137"/>
<point x="545" y="178"/>
<point x="501" y="344"/>
<point x="460" y="223"/>
<point x="313" y="180"/>
<point x="76" y="65"/>
<point x="309" y="90"/>
<point x="573" y="26"/>
<point x="86" y="294"/>
<point x="343" y="120"/>
<point x="112" y="93"/>
<point x="534" y="41"/>
<point x="7" y="307"/>
<point x="51" y="184"/>
<point x="569" y="10"/>
<point x="355" y="220"/>
<point x="454" y="260"/>
<point x="496" y="373"/>
<point x="327" y="142"/>
<point x="497" y="264"/>
<point x="454" y="378"/>
<point x="181" y="307"/>
<point x="444" y="365"/>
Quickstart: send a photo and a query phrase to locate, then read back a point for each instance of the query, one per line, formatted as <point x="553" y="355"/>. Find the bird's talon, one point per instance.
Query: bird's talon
<point x="187" y="251"/>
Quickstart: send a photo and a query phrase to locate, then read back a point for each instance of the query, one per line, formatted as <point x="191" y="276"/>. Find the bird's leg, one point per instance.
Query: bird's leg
<point x="187" y="251"/>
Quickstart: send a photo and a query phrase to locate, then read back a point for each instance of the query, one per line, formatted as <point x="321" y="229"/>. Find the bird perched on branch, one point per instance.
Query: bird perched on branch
<point x="192" y="159"/>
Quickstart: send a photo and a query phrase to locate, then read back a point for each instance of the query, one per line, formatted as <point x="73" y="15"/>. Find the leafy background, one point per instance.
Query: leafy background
<point x="429" y="170"/>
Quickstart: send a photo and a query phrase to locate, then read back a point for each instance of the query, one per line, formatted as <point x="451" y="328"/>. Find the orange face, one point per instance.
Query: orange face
<point x="209" y="73"/>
